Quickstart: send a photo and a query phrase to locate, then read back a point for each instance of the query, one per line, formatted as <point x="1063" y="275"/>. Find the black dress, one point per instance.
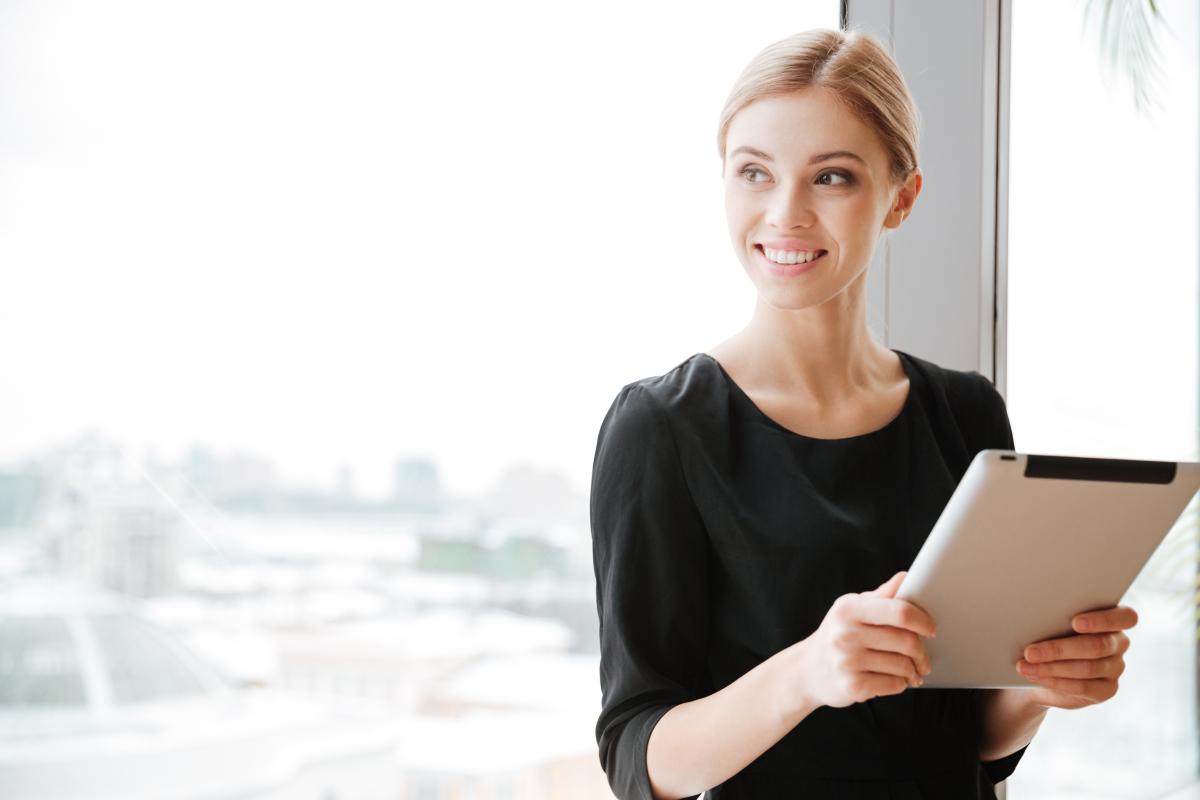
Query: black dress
<point x="720" y="537"/>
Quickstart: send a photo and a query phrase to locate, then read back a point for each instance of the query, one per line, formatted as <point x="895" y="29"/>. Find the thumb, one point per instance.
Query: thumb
<point x="889" y="587"/>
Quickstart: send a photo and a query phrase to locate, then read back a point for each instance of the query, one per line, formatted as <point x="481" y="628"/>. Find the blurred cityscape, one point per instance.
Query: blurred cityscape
<point x="201" y="629"/>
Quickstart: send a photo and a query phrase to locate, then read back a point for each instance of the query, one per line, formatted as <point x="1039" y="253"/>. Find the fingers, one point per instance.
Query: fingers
<point x="1086" y="646"/>
<point x="886" y="663"/>
<point x="1119" y="618"/>
<point x="897" y="613"/>
<point x="1086" y="669"/>
<point x="897" y="640"/>
<point x="1093" y="691"/>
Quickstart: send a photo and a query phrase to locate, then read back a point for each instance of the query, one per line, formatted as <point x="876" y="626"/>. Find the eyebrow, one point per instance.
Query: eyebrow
<point x="814" y="160"/>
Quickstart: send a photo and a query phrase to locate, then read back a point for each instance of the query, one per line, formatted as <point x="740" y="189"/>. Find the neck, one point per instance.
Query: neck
<point x="824" y="355"/>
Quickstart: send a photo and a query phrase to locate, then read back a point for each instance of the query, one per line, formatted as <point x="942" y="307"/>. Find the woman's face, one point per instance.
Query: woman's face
<point x="793" y="183"/>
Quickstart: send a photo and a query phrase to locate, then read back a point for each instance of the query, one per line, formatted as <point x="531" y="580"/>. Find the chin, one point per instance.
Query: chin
<point x="783" y="296"/>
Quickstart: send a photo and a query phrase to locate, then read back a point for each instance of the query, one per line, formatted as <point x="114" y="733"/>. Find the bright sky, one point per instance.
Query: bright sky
<point x="346" y="232"/>
<point x="341" y="233"/>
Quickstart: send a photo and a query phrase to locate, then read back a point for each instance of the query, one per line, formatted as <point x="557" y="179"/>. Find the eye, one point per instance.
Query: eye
<point x="747" y="170"/>
<point x="846" y="176"/>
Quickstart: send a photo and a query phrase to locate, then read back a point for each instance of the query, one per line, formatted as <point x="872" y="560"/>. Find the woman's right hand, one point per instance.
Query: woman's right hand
<point x="869" y="644"/>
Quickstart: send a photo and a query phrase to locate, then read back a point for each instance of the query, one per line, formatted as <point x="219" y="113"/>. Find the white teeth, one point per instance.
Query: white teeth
<point x="790" y="256"/>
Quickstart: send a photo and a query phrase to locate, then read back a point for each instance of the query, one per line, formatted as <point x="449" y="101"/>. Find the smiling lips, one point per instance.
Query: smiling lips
<point x="790" y="255"/>
<point x="789" y="268"/>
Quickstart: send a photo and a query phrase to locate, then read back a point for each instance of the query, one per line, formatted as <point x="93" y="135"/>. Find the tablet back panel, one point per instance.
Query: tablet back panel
<point x="1028" y="541"/>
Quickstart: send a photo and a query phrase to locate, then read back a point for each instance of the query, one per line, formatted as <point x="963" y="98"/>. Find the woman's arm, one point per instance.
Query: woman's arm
<point x="866" y="646"/>
<point x="1010" y="720"/>
<point x="701" y="743"/>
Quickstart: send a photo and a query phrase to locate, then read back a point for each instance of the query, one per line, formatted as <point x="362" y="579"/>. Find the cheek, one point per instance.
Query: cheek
<point x="851" y="223"/>
<point x="733" y="199"/>
<point x="750" y="202"/>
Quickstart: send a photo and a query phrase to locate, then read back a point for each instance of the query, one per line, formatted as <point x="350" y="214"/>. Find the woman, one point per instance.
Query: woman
<point x="745" y="503"/>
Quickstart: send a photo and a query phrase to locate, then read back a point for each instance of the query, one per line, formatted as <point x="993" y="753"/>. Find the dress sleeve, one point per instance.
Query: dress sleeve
<point x="981" y="413"/>
<point x="650" y="554"/>
<point x="1002" y="435"/>
<point x="1000" y="438"/>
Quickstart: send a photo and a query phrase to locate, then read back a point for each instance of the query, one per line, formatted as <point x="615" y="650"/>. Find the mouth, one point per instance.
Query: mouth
<point x="788" y="269"/>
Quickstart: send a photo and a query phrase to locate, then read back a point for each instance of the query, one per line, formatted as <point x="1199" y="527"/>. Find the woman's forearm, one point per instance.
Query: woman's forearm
<point x="1010" y="721"/>
<point x="702" y="743"/>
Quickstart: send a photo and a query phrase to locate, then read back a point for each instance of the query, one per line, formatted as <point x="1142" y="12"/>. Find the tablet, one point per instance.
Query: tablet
<point x="1028" y="541"/>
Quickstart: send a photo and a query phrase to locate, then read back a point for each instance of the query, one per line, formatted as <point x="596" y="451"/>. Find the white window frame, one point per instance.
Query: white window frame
<point x="950" y="255"/>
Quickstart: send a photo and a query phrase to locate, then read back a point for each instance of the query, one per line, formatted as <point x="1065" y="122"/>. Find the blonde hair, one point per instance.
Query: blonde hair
<point x="856" y="67"/>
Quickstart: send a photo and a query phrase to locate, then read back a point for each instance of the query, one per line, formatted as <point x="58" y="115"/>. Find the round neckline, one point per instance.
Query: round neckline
<point x="762" y="415"/>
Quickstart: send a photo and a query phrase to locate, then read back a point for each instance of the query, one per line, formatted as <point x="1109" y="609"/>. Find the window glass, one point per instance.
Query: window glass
<point x="1102" y="339"/>
<point x="309" y="316"/>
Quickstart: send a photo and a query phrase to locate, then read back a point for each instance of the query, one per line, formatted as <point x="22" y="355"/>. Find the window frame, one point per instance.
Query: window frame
<point x="953" y="247"/>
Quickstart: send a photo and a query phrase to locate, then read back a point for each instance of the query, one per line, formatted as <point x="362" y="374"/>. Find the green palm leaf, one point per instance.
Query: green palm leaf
<point x="1127" y="43"/>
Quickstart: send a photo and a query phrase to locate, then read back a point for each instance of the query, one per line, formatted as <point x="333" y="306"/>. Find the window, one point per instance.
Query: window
<point x="310" y="315"/>
<point x="1102" y="357"/>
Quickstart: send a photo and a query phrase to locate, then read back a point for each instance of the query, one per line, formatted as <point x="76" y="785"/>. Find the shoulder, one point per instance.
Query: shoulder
<point x="689" y="387"/>
<point x="960" y="388"/>
<point x="638" y="444"/>
<point x="681" y="386"/>
<point x="651" y="417"/>
<point x="972" y="402"/>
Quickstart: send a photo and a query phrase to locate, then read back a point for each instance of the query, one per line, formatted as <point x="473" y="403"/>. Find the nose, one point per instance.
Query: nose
<point x="790" y="208"/>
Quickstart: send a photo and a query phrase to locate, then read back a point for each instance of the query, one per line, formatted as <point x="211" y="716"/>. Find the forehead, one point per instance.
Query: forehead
<point x="794" y="126"/>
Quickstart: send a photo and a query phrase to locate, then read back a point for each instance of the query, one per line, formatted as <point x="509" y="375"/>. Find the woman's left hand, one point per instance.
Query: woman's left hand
<point x="1080" y="670"/>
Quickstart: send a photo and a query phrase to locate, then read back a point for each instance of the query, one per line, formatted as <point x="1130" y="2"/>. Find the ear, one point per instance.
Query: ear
<point x="906" y="198"/>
